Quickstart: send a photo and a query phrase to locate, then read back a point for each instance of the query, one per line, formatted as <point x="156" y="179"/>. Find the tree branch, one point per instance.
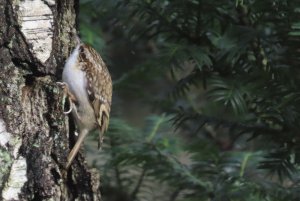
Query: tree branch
<point x="183" y="116"/>
<point x="175" y="194"/>
<point x="138" y="185"/>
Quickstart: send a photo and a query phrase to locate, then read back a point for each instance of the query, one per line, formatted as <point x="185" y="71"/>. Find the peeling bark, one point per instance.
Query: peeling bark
<point x="36" y="37"/>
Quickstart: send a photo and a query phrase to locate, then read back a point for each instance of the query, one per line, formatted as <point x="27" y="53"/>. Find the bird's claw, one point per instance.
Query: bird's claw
<point x="68" y="94"/>
<point x="61" y="84"/>
<point x="71" y="108"/>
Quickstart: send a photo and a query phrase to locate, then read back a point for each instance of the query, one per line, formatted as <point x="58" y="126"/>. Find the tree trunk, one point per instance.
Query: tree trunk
<point x="36" y="37"/>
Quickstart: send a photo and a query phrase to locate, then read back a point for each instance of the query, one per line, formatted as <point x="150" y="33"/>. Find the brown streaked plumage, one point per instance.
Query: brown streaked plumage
<point x="88" y="80"/>
<point x="99" y="85"/>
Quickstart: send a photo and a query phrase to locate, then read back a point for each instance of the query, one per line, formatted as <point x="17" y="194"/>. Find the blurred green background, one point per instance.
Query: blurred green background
<point x="206" y="102"/>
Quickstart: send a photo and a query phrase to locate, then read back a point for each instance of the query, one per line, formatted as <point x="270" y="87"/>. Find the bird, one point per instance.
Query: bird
<point x="88" y="86"/>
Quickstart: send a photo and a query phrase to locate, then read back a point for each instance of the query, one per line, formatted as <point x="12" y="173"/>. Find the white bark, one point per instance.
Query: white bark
<point x="36" y="21"/>
<point x="17" y="177"/>
<point x="16" y="180"/>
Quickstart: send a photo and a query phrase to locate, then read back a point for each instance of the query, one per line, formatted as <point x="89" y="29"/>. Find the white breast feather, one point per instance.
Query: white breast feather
<point x="74" y="77"/>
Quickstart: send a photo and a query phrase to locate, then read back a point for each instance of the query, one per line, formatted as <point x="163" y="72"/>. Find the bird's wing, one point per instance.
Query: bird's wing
<point x="99" y="85"/>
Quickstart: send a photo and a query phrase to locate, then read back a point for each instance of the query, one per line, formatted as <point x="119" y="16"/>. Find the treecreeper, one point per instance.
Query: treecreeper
<point x="88" y="87"/>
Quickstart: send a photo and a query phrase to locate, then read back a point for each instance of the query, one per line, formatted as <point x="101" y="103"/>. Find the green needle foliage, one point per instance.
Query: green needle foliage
<point x="222" y="78"/>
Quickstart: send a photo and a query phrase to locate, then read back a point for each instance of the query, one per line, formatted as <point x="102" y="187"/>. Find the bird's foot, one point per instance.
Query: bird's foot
<point x="67" y="94"/>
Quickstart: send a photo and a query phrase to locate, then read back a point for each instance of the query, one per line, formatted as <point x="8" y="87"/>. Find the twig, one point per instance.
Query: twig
<point x="175" y="194"/>
<point x="138" y="185"/>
